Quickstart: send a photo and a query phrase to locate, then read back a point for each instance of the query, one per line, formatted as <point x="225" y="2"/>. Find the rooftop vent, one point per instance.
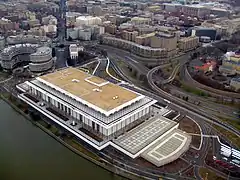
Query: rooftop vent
<point x="75" y="80"/>
<point x="115" y="97"/>
<point x="97" y="90"/>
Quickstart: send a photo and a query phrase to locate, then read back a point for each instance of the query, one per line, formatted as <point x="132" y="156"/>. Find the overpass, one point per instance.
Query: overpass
<point x="136" y="69"/>
<point x="187" y="107"/>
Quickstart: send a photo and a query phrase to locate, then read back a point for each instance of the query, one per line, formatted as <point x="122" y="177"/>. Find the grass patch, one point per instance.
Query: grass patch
<point x="79" y="147"/>
<point x="54" y="130"/>
<point x="204" y="172"/>
<point x="43" y="123"/>
<point x="193" y="90"/>
<point x="113" y="73"/>
<point x="235" y="124"/>
<point x="229" y="135"/>
<point x="3" y="76"/>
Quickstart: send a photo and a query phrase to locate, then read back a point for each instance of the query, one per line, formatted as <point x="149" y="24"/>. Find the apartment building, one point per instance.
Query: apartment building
<point x="129" y="35"/>
<point x="188" y="43"/>
<point x="164" y="40"/>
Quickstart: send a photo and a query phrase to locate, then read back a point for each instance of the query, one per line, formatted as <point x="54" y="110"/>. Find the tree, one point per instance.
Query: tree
<point x="70" y="38"/>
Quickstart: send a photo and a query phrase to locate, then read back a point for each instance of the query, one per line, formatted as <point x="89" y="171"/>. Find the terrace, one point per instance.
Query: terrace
<point x="144" y="134"/>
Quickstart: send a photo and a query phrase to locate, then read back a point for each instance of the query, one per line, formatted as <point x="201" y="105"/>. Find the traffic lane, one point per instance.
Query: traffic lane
<point x="192" y="109"/>
<point x="206" y="102"/>
<point x="195" y="114"/>
<point x="132" y="62"/>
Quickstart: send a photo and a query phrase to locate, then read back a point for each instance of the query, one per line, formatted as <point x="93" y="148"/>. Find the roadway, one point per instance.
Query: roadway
<point x="173" y="75"/>
<point x="226" y="112"/>
<point x="200" y="161"/>
<point x="198" y="114"/>
<point x="186" y="107"/>
<point x="125" y="56"/>
<point x="176" y="103"/>
<point x="195" y="112"/>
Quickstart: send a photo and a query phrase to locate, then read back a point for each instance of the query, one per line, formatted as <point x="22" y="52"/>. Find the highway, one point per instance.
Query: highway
<point x="213" y="108"/>
<point x="173" y="75"/>
<point x="176" y="102"/>
<point x="186" y="107"/>
<point x="205" y="130"/>
<point x="198" y="114"/>
<point x="126" y="57"/>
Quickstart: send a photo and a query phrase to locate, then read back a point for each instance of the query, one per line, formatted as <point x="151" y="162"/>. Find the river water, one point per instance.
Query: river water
<point x="28" y="153"/>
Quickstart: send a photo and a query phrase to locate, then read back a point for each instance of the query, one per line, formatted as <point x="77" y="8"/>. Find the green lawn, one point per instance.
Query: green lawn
<point x="79" y="147"/>
<point x="232" y="137"/>
<point x="208" y="174"/>
<point x="193" y="90"/>
<point x="233" y="123"/>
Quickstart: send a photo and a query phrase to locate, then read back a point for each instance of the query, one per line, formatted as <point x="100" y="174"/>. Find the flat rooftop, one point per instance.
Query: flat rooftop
<point x="185" y="39"/>
<point x="168" y="148"/>
<point x="144" y="134"/>
<point x="90" y="90"/>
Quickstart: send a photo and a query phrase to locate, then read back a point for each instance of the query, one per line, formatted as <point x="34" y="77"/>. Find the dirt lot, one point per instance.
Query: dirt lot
<point x="186" y="124"/>
<point x="190" y="126"/>
<point x="208" y="174"/>
<point x="189" y="173"/>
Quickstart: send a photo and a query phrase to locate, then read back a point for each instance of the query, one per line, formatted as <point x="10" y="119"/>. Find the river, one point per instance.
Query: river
<point x="28" y="153"/>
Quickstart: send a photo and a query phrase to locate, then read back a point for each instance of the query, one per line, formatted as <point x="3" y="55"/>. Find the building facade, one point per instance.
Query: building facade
<point x="144" y="39"/>
<point x="235" y="84"/>
<point x="110" y="28"/>
<point x="143" y="51"/>
<point x="129" y="35"/>
<point x="106" y="115"/>
<point x="188" y="43"/>
<point x="39" y="58"/>
<point x="163" y="40"/>
<point x="74" y="49"/>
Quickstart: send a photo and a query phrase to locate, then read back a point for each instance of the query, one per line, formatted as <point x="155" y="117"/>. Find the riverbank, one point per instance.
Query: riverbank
<point x="67" y="141"/>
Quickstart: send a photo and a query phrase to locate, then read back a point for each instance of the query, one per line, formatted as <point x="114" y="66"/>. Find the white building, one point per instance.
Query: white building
<point x="51" y="20"/>
<point x="105" y="108"/>
<point x="88" y="20"/>
<point x="2" y="42"/>
<point x="101" y="30"/>
<point x="74" y="49"/>
<point x="50" y="28"/>
<point x="72" y="33"/>
<point x="102" y="113"/>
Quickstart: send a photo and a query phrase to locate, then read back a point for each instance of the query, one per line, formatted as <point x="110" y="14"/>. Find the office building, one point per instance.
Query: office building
<point x="140" y="50"/>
